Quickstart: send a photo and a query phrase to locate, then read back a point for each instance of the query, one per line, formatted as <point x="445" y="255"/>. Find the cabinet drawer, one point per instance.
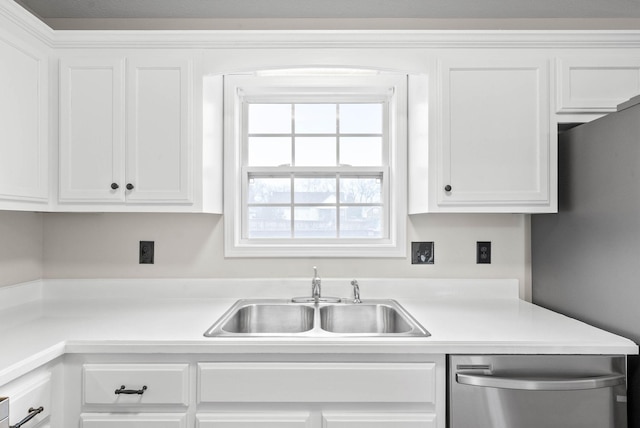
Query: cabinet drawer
<point x="29" y="395"/>
<point x="254" y="420"/>
<point x="140" y="420"/>
<point x="165" y="383"/>
<point x="378" y="420"/>
<point x="316" y="382"/>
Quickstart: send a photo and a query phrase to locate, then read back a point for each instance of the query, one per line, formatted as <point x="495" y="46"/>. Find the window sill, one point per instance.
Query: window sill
<point x="360" y="250"/>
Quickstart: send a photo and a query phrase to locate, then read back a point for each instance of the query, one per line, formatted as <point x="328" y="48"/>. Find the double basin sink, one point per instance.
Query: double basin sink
<point x="279" y="317"/>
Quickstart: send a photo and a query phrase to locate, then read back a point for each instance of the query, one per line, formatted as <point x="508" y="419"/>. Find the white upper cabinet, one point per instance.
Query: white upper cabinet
<point x="490" y="148"/>
<point x="595" y="83"/>
<point x="127" y="134"/>
<point x="23" y="124"/>
<point x="159" y="130"/>
<point x="92" y="140"/>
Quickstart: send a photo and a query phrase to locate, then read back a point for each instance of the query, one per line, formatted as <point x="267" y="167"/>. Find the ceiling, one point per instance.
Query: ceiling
<point x="74" y="10"/>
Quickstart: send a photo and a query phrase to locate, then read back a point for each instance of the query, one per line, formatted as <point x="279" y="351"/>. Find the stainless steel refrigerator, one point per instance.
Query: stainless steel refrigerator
<point x="586" y="258"/>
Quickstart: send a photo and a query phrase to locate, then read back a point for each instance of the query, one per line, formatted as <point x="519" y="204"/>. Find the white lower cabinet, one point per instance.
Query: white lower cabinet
<point x="32" y="400"/>
<point x="316" y="382"/>
<point x="140" y="420"/>
<point x="31" y="397"/>
<point x="378" y="420"/>
<point x="255" y="420"/>
<point x="240" y="391"/>
<point x="332" y="394"/>
<point x="136" y="384"/>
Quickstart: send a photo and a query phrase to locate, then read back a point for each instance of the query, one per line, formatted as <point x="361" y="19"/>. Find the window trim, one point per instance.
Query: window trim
<point x="238" y="89"/>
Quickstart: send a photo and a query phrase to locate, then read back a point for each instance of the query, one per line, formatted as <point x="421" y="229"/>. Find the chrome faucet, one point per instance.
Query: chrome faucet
<point x="356" y="292"/>
<point x="316" y="283"/>
<point x="316" y="292"/>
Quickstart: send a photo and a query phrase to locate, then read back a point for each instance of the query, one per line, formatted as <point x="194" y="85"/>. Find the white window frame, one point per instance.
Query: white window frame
<point x="336" y="87"/>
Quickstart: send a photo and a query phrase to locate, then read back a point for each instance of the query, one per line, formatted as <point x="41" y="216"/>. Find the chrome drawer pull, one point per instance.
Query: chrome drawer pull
<point x="122" y="390"/>
<point x="32" y="414"/>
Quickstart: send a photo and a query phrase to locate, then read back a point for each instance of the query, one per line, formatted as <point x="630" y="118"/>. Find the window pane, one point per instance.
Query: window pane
<point x="269" y="151"/>
<point x="269" y="222"/>
<point x="315" y="118"/>
<point x="315" y="222"/>
<point x="314" y="190"/>
<point x="361" y="190"/>
<point x="361" y="151"/>
<point x="315" y="151"/>
<point x="269" y="119"/>
<point x="361" y="118"/>
<point x="269" y="191"/>
<point x="361" y="222"/>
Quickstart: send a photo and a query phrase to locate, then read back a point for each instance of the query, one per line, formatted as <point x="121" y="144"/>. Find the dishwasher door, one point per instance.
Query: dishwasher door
<point x="4" y="412"/>
<point x="537" y="391"/>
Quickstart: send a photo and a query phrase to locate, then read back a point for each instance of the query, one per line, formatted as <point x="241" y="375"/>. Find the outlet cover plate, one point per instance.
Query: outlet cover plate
<point x="147" y="252"/>
<point x="483" y="252"/>
<point x="422" y="253"/>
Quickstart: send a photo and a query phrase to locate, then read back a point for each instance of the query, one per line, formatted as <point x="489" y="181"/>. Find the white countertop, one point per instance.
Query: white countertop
<point x="41" y="321"/>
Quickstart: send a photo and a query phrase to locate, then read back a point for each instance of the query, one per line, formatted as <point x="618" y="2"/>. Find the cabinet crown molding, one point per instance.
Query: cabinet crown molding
<point x="323" y="39"/>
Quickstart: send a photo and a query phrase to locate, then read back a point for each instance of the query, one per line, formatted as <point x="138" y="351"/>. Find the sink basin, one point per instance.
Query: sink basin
<point x="363" y="318"/>
<point x="265" y="317"/>
<point x="272" y="317"/>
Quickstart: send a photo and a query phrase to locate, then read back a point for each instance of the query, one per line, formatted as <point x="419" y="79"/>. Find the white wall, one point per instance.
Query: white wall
<point x="191" y="246"/>
<point x="21" y="246"/>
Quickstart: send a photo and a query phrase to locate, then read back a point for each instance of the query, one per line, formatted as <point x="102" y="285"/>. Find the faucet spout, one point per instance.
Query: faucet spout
<point x="316" y="284"/>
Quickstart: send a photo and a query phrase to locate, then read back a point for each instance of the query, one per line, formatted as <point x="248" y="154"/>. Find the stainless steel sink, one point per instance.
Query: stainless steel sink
<point x="271" y="317"/>
<point x="363" y="318"/>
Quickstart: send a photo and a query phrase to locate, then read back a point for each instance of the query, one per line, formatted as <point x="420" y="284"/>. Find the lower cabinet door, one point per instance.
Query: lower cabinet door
<point x="378" y="420"/>
<point x="137" y="420"/>
<point x="254" y="420"/>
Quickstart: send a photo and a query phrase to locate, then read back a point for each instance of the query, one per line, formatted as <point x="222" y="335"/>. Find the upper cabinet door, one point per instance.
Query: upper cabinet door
<point x="92" y="130"/>
<point x="596" y="83"/>
<point x="493" y="148"/>
<point x="23" y="124"/>
<point x="160" y="130"/>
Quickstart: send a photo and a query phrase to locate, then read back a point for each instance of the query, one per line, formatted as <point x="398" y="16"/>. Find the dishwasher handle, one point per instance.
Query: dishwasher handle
<point x="540" y="383"/>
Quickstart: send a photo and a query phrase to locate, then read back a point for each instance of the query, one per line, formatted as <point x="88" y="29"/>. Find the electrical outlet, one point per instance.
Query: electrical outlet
<point x="483" y="252"/>
<point x="422" y="253"/>
<point x="146" y="252"/>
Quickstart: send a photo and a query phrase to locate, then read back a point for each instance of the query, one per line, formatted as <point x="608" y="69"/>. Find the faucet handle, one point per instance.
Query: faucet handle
<point x="356" y="291"/>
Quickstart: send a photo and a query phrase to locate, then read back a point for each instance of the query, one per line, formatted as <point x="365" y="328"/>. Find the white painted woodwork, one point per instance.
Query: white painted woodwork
<point x="591" y="83"/>
<point x="160" y="130"/>
<point x="166" y="383"/>
<point x="378" y="420"/>
<point x="316" y="382"/>
<point x="23" y="123"/>
<point x="92" y="120"/>
<point x="32" y="393"/>
<point x="140" y="420"/>
<point x="493" y="147"/>
<point x="254" y="420"/>
<point x="129" y="120"/>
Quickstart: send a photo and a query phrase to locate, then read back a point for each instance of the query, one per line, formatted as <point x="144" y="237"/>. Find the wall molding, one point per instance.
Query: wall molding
<point x="319" y="39"/>
<point x="21" y="18"/>
<point x="345" y="39"/>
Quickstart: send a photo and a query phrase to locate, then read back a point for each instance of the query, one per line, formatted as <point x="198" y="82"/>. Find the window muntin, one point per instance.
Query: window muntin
<point x="304" y="170"/>
<point x="261" y="166"/>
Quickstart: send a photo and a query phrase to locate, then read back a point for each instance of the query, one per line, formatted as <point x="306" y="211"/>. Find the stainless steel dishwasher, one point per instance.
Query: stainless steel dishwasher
<point x="535" y="391"/>
<point x="4" y="412"/>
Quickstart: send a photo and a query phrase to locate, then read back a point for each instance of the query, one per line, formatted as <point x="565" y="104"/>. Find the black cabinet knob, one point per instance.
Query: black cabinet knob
<point x="114" y="186"/>
<point x="447" y="188"/>
<point x="129" y="186"/>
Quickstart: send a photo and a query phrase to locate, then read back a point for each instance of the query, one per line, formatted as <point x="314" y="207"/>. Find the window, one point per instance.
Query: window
<point x="315" y="165"/>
